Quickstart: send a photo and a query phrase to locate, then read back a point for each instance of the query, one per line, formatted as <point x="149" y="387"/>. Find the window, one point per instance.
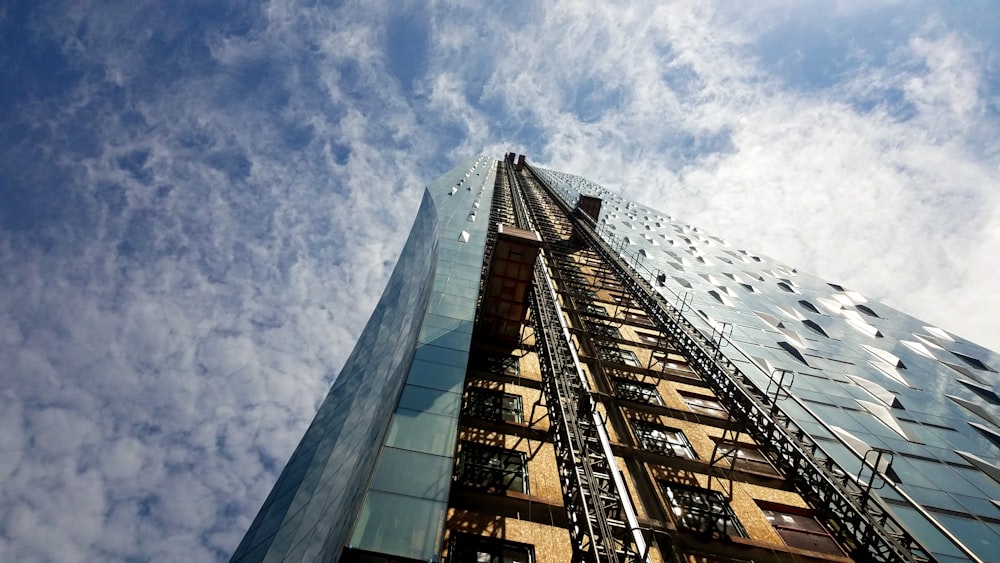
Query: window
<point x="974" y="362"/>
<point x="499" y="364"/>
<point x="748" y="458"/>
<point x="586" y="292"/>
<point x="671" y="361"/>
<point x="638" y="318"/>
<point x="467" y="548"/>
<point x="701" y="510"/>
<point x="492" y="469"/>
<point x="577" y="284"/>
<point x="663" y="440"/>
<point x="800" y="530"/>
<point x="982" y="390"/>
<point x="653" y="339"/>
<point x="611" y="285"/>
<point x="592" y="309"/>
<point x="492" y="405"/>
<point x="601" y="329"/>
<point x="638" y="391"/>
<point x="701" y="404"/>
<point x="667" y="357"/>
<point x="613" y="354"/>
<point x="622" y="300"/>
<point x="808" y="306"/>
<point x="866" y="310"/>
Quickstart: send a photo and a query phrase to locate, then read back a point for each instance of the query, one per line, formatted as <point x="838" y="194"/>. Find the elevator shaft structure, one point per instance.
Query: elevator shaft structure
<point x="602" y="521"/>
<point x="858" y="520"/>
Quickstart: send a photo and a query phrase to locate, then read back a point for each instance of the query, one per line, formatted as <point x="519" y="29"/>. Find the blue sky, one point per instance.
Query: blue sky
<point x="200" y="203"/>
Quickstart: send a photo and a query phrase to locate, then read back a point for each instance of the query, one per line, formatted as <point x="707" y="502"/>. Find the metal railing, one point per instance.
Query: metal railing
<point x="860" y="522"/>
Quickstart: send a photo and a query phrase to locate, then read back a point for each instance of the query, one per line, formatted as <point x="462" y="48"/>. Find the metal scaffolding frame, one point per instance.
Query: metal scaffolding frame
<point x="602" y="521"/>
<point x="859" y="521"/>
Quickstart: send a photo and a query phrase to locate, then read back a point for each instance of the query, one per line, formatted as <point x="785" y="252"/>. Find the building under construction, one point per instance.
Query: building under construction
<point x="557" y="374"/>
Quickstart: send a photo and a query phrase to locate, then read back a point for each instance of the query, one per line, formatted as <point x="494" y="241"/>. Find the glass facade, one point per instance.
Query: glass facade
<point x="389" y="420"/>
<point x="861" y="376"/>
<point x="415" y="466"/>
<point x="375" y="468"/>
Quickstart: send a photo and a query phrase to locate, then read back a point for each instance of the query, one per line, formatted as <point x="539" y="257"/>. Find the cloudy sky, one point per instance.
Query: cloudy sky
<point x="200" y="202"/>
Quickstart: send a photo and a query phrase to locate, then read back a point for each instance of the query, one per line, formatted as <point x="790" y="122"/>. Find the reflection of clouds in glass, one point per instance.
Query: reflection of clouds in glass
<point x="192" y="198"/>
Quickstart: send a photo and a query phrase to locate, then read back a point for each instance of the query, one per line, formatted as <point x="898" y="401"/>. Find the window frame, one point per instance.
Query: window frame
<point x="688" y="397"/>
<point x="597" y="328"/>
<point x="664" y="358"/>
<point x="644" y="392"/>
<point x="573" y="278"/>
<point x="688" y="516"/>
<point x="817" y="531"/>
<point x="650" y="339"/>
<point x="622" y="301"/>
<point x="477" y="404"/>
<point x="592" y="309"/>
<point x="469" y="548"/>
<point x="743" y="462"/>
<point x="581" y="292"/>
<point x="611" y="353"/>
<point x="477" y="465"/>
<point x="499" y="364"/>
<point x="638" y="318"/>
<point x="643" y="429"/>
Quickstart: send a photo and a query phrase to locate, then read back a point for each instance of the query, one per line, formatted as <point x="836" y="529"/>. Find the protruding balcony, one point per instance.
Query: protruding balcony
<point x="505" y="301"/>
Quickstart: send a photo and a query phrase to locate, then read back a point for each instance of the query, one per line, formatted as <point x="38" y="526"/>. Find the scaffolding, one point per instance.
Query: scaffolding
<point x="857" y="519"/>
<point x="602" y="521"/>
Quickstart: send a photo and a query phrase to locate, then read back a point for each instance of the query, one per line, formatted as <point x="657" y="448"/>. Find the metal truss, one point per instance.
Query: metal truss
<point x="602" y="521"/>
<point x="860" y="522"/>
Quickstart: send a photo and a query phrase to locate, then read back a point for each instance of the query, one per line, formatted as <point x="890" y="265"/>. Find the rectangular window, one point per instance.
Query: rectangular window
<point x="663" y="440"/>
<point x="467" y="548"/>
<point x="748" y="458"/>
<point x="701" y="510"/>
<point x="615" y="354"/>
<point x="578" y="290"/>
<point x="651" y="339"/>
<point x="670" y="359"/>
<point x="638" y="391"/>
<point x="492" y="469"/>
<point x="601" y="329"/>
<point x="678" y="368"/>
<point x="498" y="364"/>
<point x="701" y="404"/>
<point x="800" y="530"/>
<point x="622" y="300"/>
<point x="611" y="285"/>
<point x="592" y="309"/>
<point x="492" y="405"/>
<point x="581" y="288"/>
<point x="638" y="318"/>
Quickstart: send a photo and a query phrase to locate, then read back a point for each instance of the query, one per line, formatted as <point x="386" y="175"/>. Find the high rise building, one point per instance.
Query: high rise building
<point x="555" y="373"/>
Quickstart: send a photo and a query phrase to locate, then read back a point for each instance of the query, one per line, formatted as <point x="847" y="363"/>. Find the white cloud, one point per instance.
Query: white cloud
<point x="951" y="83"/>
<point x="884" y="203"/>
<point x="172" y="320"/>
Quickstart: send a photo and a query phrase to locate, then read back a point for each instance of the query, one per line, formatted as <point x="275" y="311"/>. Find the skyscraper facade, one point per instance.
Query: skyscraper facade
<point x="555" y="373"/>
